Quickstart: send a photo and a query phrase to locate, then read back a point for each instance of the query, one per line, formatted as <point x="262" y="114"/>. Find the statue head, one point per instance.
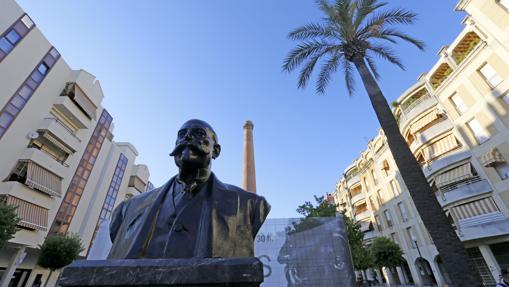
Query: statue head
<point x="196" y="145"/>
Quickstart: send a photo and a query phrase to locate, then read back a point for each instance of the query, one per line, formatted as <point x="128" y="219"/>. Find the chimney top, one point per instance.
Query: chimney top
<point x="248" y="125"/>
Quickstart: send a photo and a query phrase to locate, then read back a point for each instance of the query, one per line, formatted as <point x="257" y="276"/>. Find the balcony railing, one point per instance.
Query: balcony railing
<point x="458" y="191"/>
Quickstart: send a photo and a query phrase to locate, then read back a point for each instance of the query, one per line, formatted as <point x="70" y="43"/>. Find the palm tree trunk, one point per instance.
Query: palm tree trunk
<point x="450" y="248"/>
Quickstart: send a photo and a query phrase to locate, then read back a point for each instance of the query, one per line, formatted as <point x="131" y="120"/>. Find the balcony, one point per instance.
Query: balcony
<point x="31" y="216"/>
<point x="66" y="106"/>
<point x="486" y="225"/>
<point x="363" y="215"/>
<point x="442" y="162"/>
<point x="352" y="180"/>
<point x="462" y="190"/>
<point x="415" y="109"/>
<point x="358" y="197"/>
<point x="61" y="131"/>
<point x="368" y="236"/>
<point x="431" y="133"/>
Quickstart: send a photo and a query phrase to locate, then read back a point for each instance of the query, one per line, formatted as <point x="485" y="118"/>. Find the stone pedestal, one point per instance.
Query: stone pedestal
<point x="213" y="272"/>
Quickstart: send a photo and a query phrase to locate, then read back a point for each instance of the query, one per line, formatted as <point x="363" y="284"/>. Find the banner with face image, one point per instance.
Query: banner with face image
<point x="305" y="252"/>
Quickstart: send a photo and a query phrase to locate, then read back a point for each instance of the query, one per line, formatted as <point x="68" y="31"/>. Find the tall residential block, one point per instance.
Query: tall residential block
<point x="248" y="163"/>
<point x="59" y="164"/>
<point x="455" y="119"/>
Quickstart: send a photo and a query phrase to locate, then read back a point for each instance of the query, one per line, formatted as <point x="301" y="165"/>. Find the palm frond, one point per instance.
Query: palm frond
<point x="379" y="21"/>
<point x="386" y="54"/>
<point x="372" y="66"/>
<point x="306" y="72"/>
<point x="329" y="67"/>
<point x="309" y="31"/>
<point x="301" y="52"/>
<point x="392" y="33"/>
<point x="347" y="68"/>
<point x="365" y="8"/>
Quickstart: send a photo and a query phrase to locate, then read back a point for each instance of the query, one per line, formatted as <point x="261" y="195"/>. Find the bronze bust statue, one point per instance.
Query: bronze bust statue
<point x="193" y="215"/>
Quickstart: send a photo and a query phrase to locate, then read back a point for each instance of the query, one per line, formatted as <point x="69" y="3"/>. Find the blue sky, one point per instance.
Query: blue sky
<point x="161" y="63"/>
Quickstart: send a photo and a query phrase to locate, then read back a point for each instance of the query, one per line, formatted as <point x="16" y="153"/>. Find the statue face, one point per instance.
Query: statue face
<point x="196" y="145"/>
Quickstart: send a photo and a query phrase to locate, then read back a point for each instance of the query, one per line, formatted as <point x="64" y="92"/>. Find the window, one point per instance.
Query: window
<point x="378" y="223"/>
<point x="372" y="203"/>
<point x="490" y="75"/>
<point x="504" y="3"/>
<point x="395" y="188"/>
<point x="380" y="197"/>
<point x="375" y="180"/>
<point x="502" y="169"/>
<point x="23" y="94"/>
<point x="458" y="104"/>
<point x="394" y="238"/>
<point x="13" y="37"/>
<point x="480" y="134"/>
<point x="361" y="208"/>
<point x="402" y="212"/>
<point x="5" y="45"/>
<point x="365" y="184"/>
<point x="411" y="237"/>
<point x="27" y="21"/>
<point x="388" y="217"/>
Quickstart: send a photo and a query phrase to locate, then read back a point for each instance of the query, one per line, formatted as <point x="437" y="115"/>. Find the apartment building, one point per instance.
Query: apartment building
<point x="58" y="162"/>
<point x="455" y="119"/>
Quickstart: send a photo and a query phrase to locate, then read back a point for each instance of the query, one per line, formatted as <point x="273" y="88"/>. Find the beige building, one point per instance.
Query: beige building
<point x="456" y="122"/>
<point x="59" y="163"/>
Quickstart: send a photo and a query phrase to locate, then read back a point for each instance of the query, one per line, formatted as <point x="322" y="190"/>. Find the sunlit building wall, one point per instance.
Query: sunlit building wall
<point x="59" y="163"/>
<point x="455" y="120"/>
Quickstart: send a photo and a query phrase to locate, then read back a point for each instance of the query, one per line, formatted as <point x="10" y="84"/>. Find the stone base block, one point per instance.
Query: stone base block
<point x="209" y="272"/>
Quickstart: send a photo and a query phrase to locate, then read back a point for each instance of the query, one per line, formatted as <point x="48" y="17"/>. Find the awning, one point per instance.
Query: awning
<point x="54" y="140"/>
<point x="32" y="216"/>
<point x="42" y="179"/>
<point x="440" y="147"/>
<point x="366" y="226"/>
<point x="73" y="91"/>
<point x="424" y="121"/>
<point x="137" y="183"/>
<point x="457" y="174"/>
<point x="492" y="157"/>
<point x="475" y="208"/>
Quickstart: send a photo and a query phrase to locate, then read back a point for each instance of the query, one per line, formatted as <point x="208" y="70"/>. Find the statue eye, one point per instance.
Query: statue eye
<point x="199" y="133"/>
<point x="182" y="133"/>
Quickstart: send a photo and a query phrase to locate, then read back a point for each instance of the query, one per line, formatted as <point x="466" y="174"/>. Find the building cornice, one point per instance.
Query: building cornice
<point x="462" y="4"/>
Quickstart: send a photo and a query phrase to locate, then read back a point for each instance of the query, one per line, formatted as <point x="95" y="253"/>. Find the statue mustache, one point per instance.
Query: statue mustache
<point x="194" y="147"/>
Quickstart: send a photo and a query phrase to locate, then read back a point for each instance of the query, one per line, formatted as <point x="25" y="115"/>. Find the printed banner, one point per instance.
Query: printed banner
<point x="305" y="252"/>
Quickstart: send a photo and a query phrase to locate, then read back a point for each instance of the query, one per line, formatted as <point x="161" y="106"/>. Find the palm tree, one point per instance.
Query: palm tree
<point x="351" y="34"/>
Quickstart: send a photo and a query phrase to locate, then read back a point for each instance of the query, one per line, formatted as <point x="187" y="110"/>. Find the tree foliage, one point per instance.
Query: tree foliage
<point x="386" y="253"/>
<point x="361" y="255"/>
<point x="8" y="221"/>
<point x="323" y="208"/>
<point x="350" y="29"/>
<point x="59" y="251"/>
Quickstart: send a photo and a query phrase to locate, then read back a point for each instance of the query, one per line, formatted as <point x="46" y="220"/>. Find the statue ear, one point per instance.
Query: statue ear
<point x="216" y="151"/>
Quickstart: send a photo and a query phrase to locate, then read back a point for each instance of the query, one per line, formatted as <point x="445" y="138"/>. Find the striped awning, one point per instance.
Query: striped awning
<point x="492" y="157"/>
<point x="32" y="216"/>
<point x="475" y="208"/>
<point x="54" y="140"/>
<point x="42" y="179"/>
<point x="440" y="147"/>
<point x="457" y="174"/>
<point x="424" y="121"/>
